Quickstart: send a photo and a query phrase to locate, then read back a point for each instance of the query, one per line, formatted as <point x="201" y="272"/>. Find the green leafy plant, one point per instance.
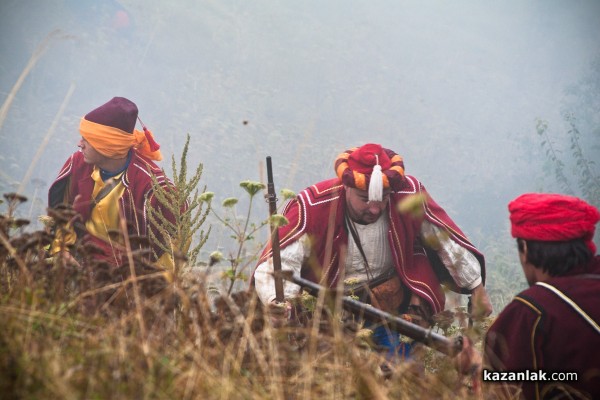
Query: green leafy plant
<point x="554" y="156"/>
<point x="190" y="208"/>
<point x="588" y="178"/>
<point x="583" y="173"/>
<point x="575" y="170"/>
<point x="242" y="232"/>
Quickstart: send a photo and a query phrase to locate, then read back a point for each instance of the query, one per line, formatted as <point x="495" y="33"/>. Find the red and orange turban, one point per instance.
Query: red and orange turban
<point x="553" y="218"/>
<point x="110" y="129"/>
<point x="356" y="166"/>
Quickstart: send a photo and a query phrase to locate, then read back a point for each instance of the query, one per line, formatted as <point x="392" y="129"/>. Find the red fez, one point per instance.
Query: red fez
<point x="356" y="166"/>
<point x="110" y="129"/>
<point x="118" y="112"/>
<point x="553" y="218"/>
<point x="366" y="157"/>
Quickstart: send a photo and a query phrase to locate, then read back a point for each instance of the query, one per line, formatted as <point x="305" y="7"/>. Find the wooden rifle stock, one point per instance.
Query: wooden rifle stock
<point x="272" y="199"/>
<point x="370" y="313"/>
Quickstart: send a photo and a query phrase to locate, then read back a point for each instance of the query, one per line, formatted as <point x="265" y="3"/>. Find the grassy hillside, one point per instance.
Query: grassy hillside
<point x="141" y="332"/>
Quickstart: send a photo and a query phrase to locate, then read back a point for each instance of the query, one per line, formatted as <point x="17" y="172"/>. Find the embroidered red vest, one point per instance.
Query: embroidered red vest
<point x="319" y="212"/>
<point x="74" y="186"/>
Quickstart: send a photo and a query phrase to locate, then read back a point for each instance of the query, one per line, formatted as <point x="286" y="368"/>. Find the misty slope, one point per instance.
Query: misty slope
<point x="453" y="87"/>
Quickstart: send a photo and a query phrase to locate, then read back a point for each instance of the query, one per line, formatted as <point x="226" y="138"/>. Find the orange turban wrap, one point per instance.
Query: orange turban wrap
<point x="115" y="143"/>
<point x="553" y="218"/>
<point x="110" y="129"/>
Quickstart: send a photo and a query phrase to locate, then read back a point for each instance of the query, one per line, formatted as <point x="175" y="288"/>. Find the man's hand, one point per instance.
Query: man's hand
<point x="468" y="362"/>
<point x="481" y="305"/>
<point x="279" y="313"/>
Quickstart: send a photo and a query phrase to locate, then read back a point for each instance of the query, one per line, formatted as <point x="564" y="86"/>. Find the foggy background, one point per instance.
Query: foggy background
<point x="455" y="87"/>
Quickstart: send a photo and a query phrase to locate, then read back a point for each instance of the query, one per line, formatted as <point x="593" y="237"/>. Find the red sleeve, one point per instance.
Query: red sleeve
<point x="56" y="193"/>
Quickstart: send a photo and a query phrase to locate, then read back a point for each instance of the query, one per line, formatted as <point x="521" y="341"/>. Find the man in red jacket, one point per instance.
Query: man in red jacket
<point x="109" y="181"/>
<point x="349" y="231"/>
<point x="546" y="342"/>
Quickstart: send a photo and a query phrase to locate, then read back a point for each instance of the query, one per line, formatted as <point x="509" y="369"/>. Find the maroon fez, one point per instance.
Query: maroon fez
<point x="119" y="113"/>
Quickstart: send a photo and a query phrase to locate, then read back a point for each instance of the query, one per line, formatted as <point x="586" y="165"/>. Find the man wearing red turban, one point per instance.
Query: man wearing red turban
<point x="350" y="231"/>
<point x="110" y="179"/>
<point x="554" y="325"/>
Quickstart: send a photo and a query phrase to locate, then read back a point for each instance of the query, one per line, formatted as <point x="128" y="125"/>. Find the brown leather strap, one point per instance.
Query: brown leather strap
<point x="352" y="230"/>
<point x="108" y="187"/>
<point x="365" y="291"/>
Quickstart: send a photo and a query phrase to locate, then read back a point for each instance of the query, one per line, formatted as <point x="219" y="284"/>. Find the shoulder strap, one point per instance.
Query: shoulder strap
<point x="356" y="239"/>
<point x="372" y="281"/>
<point x="110" y="185"/>
<point x="571" y="303"/>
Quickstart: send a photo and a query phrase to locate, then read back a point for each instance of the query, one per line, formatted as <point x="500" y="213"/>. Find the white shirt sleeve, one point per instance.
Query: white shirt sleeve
<point x="462" y="265"/>
<point x="292" y="258"/>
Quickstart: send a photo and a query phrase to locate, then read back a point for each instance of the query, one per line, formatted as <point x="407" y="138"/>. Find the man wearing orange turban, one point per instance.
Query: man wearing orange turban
<point x="350" y="230"/>
<point x="110" y="179"/>
<point x="554" y="325"/>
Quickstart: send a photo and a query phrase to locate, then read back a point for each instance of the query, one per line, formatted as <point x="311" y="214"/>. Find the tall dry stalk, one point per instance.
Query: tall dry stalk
<point x="136" y="290"/>
<point x="46" y="138"/>
<point x="56" y="34"/>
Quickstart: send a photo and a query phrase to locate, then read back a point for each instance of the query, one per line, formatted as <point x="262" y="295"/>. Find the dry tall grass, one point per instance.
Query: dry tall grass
<point x="139" y="332"/>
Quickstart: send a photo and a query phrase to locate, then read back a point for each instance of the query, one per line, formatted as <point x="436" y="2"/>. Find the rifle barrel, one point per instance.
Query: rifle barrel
<point x="368" y="312"/>
<point x="272" y="199"/>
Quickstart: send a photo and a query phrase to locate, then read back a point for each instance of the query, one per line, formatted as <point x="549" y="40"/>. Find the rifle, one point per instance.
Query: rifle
<point x="368" y="312"/>
<point x="272" y="200"/>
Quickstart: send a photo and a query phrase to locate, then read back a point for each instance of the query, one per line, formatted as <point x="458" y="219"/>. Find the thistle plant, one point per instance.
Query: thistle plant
<point x="243" y="231"/>
<point x="190" y="208"/>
